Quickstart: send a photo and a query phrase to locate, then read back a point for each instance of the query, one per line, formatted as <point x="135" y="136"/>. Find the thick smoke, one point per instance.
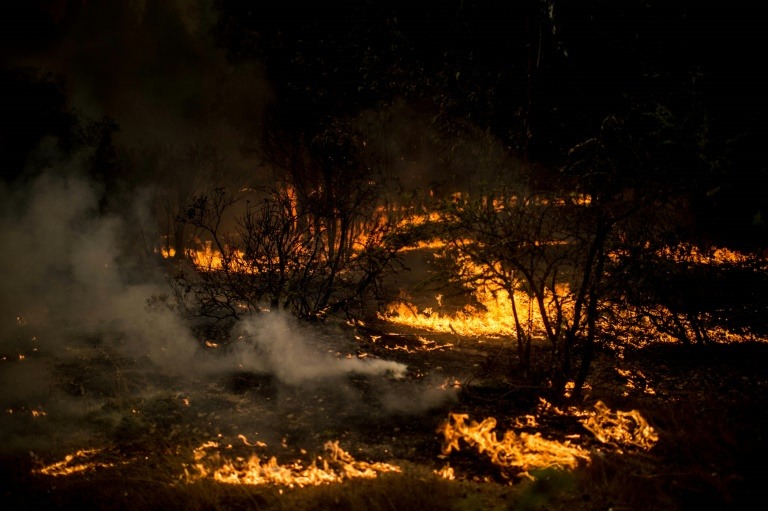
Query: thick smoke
<point x="73" y="313"/>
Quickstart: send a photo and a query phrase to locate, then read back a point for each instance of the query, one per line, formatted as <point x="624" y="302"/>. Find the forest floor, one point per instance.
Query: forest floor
<point x="119" y="434"/>
<point x="708" y="406"/>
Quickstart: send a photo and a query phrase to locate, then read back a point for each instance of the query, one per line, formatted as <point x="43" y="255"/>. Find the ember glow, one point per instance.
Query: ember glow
<point x="338" y="466"/>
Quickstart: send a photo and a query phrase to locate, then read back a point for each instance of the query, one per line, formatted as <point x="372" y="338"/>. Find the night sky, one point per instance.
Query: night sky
<point x="444" y="93"/>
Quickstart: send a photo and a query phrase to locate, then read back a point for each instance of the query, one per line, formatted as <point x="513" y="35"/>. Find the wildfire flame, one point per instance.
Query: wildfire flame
<point x="339" y="466"/>
<point x="623" y="428"/>
<point x="446" y="472"/>
<point x="619" y="427"/>
<point x="520" y="453"/>
<point x="517" y="453"/>
<point x="715" y="256"/>
<point x="80" y="461"/>
<point x="210" y="259"/>
<point x="492" y="318"/>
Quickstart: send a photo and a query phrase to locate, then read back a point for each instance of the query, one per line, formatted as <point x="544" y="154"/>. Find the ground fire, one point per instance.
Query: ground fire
<point x="336" y="467"/>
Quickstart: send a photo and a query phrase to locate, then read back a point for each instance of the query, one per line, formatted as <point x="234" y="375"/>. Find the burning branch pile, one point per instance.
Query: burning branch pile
<point x="516" y="454"/>
<point x="623" y="428"/>
<point x="339" y="466"/>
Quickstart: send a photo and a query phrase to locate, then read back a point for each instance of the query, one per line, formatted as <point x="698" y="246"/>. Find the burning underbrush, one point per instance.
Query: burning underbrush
<point x="226" y="432"/>
<point x="125" y="407"/>
<point x="282" y="414"/>
<point x="522" y="450"/>
<point x="162" y="429"/>
<point x="113" y="400"/>
<point x="336" y="467"/>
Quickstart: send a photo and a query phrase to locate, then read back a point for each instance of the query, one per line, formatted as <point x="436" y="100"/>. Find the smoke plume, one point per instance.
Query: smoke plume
<point x="84" y="345"/>
<point x="274" y="345"/>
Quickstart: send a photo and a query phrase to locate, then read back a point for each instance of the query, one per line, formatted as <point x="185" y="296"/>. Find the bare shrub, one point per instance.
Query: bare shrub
<point x="286" y="253"/>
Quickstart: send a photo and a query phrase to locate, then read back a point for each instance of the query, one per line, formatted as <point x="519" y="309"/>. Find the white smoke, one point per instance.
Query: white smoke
<point x="62" y="274"/>
<point x="415" y="399"/>
<point x="80" y="343"/>
<point x="273" y="343"/>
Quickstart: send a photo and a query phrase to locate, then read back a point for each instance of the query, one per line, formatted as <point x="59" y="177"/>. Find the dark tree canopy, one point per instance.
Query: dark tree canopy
<point x="542" y="75"/>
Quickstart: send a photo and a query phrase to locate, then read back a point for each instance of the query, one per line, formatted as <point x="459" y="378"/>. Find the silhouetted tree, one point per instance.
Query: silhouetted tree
<point x="289" y="253"/>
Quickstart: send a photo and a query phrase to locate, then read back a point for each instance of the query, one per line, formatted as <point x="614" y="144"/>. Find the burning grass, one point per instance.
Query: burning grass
<point x="661" y="453"/>
<point x="520" y="453"/>
<point x="664" y="431"/>
<point x="153" y="487"/>
<point x="621" y="428"/>
<point x="491" y="316"/>
<point x="80" y="461"/>
<point x="337" y="467"/>
<point x="515" y="453"/>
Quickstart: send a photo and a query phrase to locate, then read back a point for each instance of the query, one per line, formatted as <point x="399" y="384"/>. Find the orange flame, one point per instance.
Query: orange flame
<point x="494" y="317"/>
<point x="339" y="467"/>
<point x="209" y="259"/>
<point x="446" y="472"/>
<point x="608" y="426"/>
<point x="623" y="428"/>
<point x="80" y="461"/>
<point x="714" y="256"/>
<point x="519" y="453"/>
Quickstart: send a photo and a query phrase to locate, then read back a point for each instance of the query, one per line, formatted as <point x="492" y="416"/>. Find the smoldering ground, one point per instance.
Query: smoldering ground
<point x="86" y="359"/>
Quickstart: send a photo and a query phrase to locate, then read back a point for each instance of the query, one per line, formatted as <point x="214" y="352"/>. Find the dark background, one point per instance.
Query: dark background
<point x="535" y="78"/>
